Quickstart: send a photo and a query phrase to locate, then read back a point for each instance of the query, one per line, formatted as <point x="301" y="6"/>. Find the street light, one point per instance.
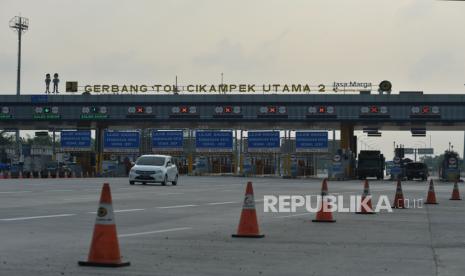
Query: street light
<point x="20" y="25"/>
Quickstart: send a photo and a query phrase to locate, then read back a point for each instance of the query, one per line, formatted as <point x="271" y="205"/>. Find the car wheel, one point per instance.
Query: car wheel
<point x="164" y="180"/>
<point x="175" y="181"/>
<point x="131" y="182"/>
<point x="143" y="183"/>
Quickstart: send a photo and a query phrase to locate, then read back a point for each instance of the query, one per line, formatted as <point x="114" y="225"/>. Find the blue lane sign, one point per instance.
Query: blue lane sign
<point x="167" y="140"/>
<point x="75" y="140"/>
<point x="121" y="141"/>
<point x="213" y="141"/>
<point x="311" y="141"/>
<point x="263" y="141"/>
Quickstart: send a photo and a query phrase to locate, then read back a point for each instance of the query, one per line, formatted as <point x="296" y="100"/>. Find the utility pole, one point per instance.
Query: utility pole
<point x="20" y="25"/>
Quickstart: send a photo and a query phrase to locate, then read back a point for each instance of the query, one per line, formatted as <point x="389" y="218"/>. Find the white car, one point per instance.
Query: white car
<point x="153" y="169"/>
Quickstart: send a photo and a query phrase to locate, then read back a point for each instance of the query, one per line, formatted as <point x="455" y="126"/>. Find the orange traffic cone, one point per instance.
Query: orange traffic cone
<point x="366" y="194"/>
<point x="324" y="215"/>
<point x="431" y="198"/>
<point x="399" y="201"/>
<point x="248" y="224"/>
<point x="104" y="249"/>
<point x="455" y="192"/>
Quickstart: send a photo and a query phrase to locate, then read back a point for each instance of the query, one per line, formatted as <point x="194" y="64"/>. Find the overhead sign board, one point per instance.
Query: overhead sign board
<point x="409" y="151"/>
<point x="259" y="141"/>
<point x="167" y="140"/>
<point x="311" y="141"/>
<point x="121" y="141"/>
<point x="75" y="140"/>
<point x="213" y="141"/>
<point x="242" y="87"/>
<point x="425" y="151"/>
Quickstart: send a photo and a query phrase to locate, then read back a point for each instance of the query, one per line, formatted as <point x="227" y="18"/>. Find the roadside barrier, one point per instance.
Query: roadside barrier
<point x="104" y="248"/>
<point x="248" y="224"/>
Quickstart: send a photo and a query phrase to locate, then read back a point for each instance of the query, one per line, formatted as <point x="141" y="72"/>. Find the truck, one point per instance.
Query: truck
<point x="371" y="163"/>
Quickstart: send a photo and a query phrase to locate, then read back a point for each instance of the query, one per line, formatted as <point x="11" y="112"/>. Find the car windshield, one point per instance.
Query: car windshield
<point x="151" y="161"/>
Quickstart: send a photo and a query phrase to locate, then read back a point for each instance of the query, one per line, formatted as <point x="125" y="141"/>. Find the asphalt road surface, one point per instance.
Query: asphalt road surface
<point x="46" y="227"/>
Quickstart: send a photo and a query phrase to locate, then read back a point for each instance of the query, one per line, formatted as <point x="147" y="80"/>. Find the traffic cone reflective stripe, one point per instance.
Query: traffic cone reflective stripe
<point x="431" y="198"/>
<point x="104" y="249"/>
<point x="324" y="214"/>
<point x="399" y="201"/>
<point x="248" y="224"/>
<point x="455" y="192"/>
<point x="367" y="208"/>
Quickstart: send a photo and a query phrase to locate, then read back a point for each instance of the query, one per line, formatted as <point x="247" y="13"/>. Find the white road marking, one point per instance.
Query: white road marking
<point x="295" y="215"/>
<point x="177" y="206"/>
<point x="154" y="232"/>
<point x="128" y="210"/>
<point x="121" y="211"/>
<point x="220" y="203"/>
<point x="16" y="192"/>
<point x="83" y="198"/>
<point x="38" y="217"/>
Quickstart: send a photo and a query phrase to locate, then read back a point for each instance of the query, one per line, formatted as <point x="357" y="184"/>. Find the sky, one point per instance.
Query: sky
<point x="416" y="44"/>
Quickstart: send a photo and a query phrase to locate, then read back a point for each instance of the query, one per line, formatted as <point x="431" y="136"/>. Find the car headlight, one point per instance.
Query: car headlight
<point x="158" y="171"/>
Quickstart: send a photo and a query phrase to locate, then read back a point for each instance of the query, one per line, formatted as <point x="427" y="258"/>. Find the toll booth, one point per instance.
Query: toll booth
<point x="262" y="153"/>
<point x="76" y="151"/>
<point x="120" y="149"/>
<point x="343" y="165"/>
<point x="261" y="164"/>
<point x="214" y="152"/>
<point x="174" y="143"/>
<point x="450" y="169"/>
<point x="304" y="150"/>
